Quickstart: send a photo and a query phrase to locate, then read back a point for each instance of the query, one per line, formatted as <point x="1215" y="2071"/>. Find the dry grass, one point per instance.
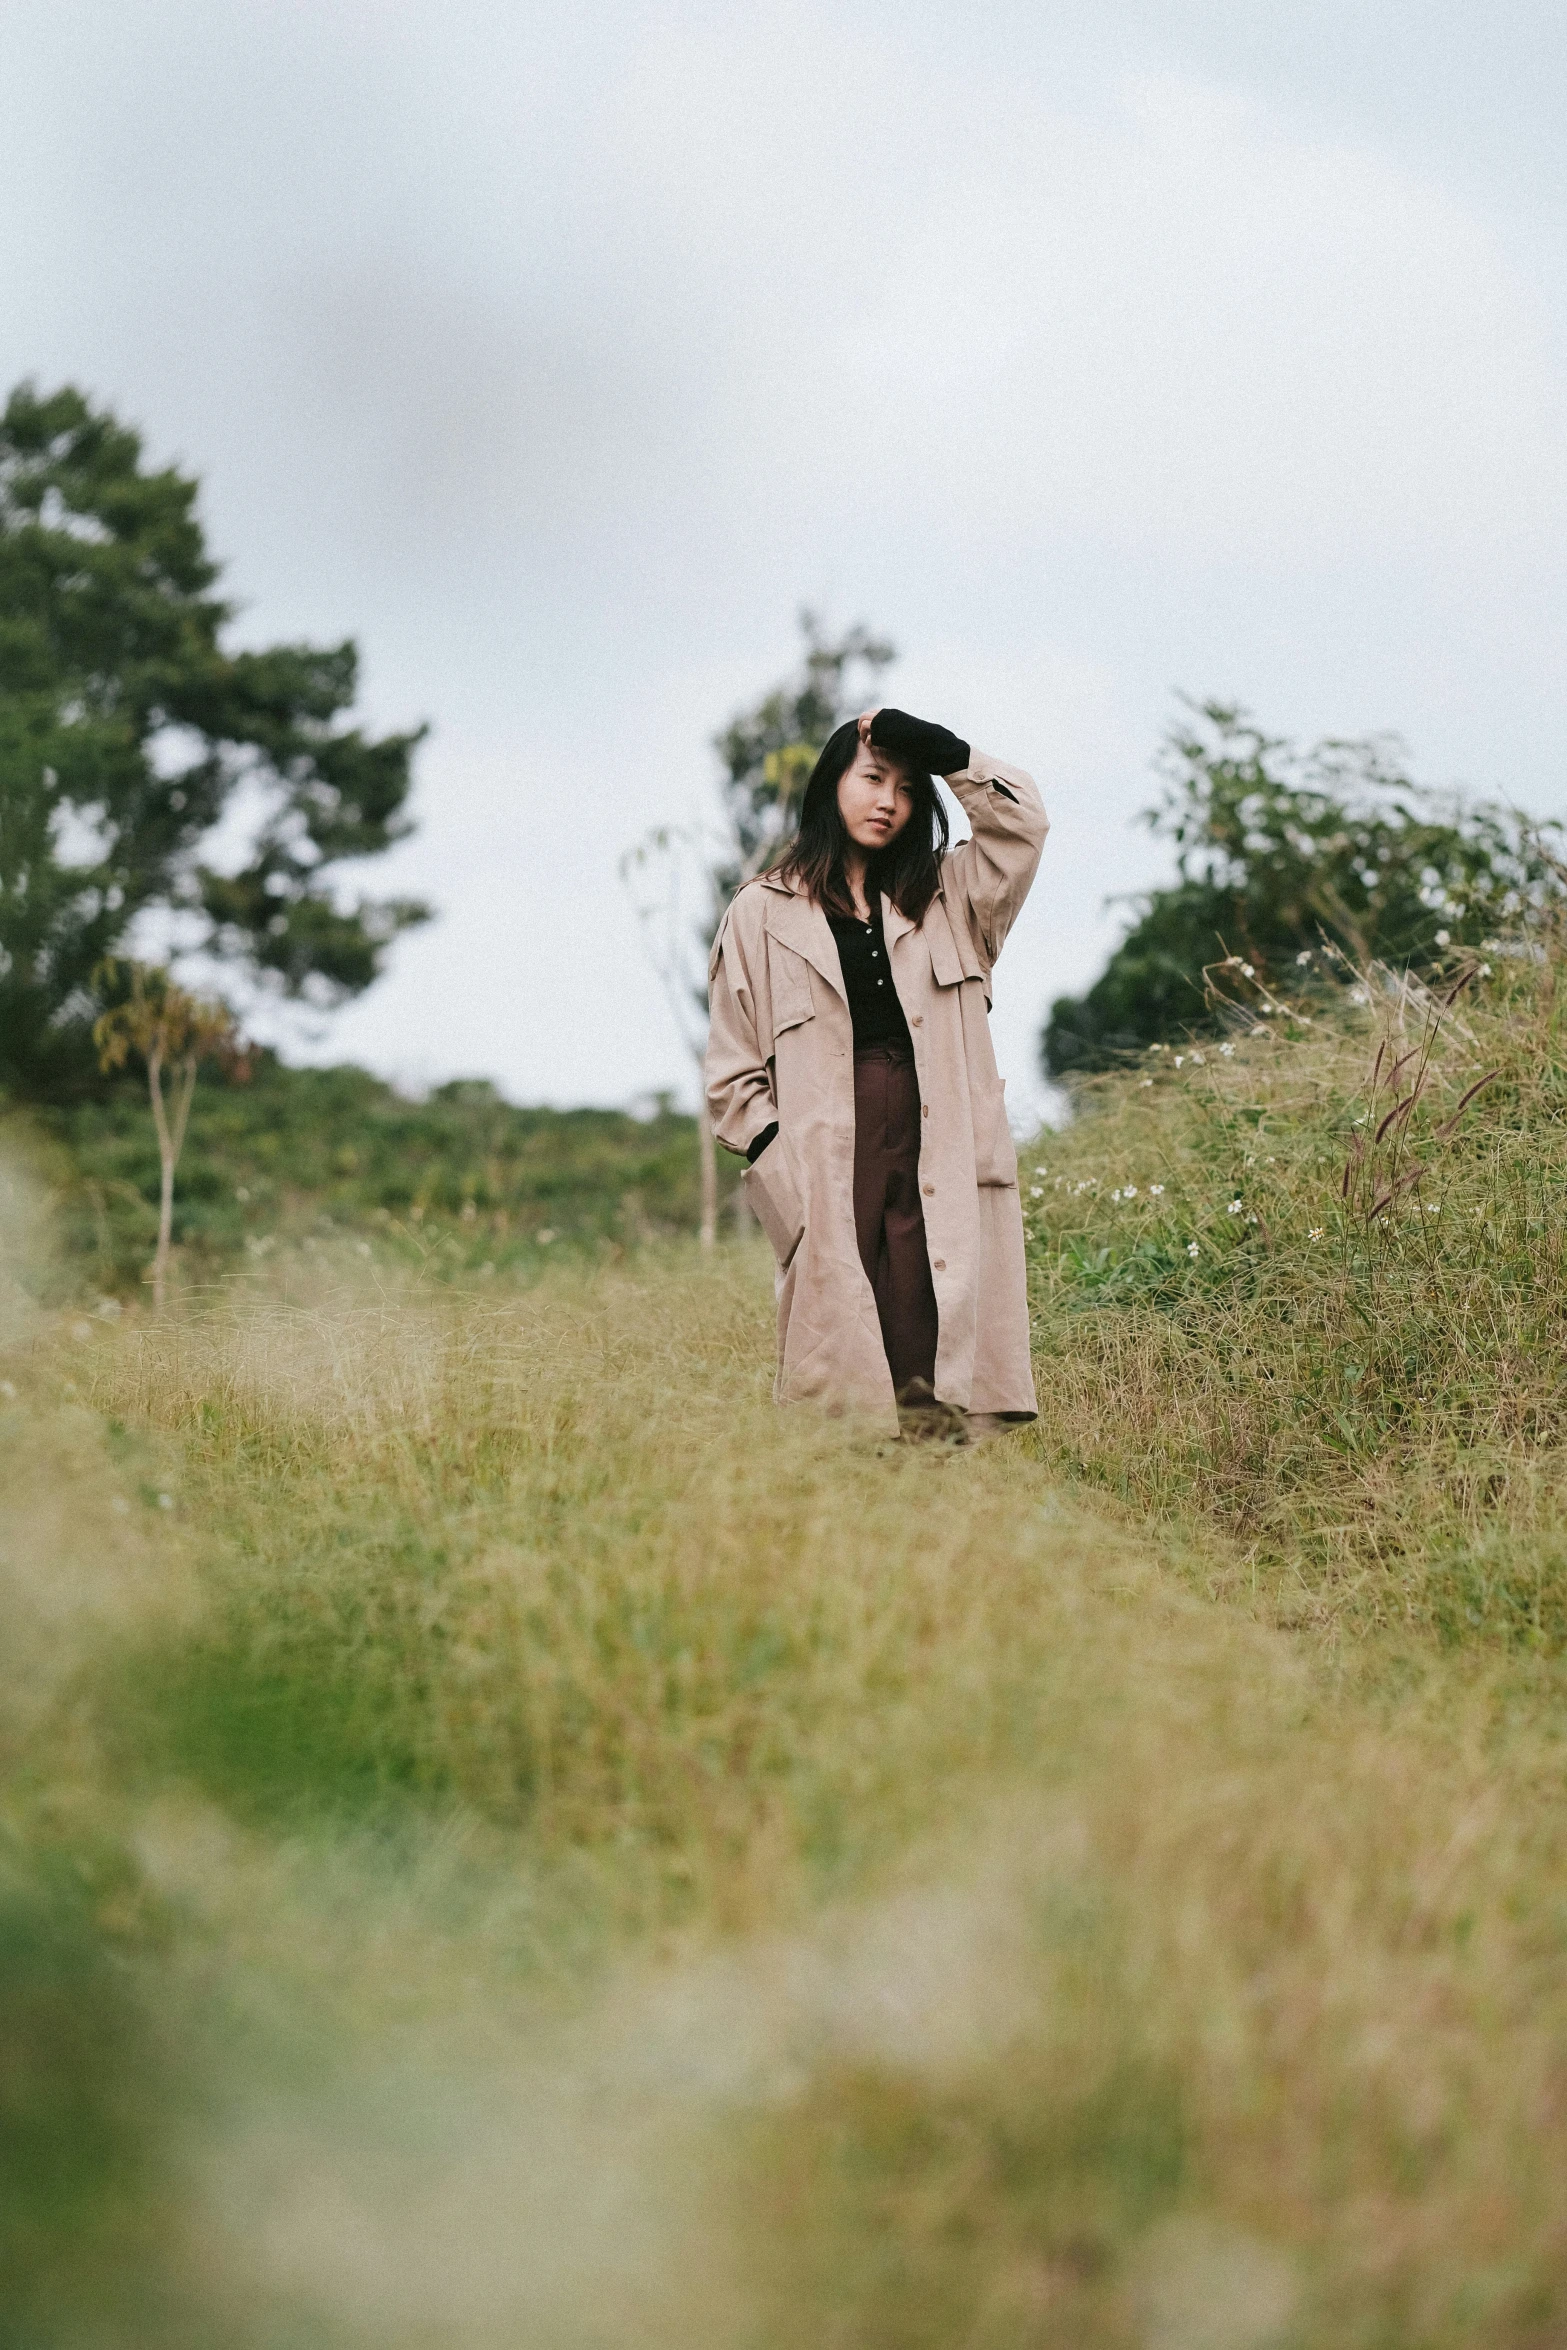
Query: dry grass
<point x="534" y="1847"/>
<point x="1357" y="1376"/>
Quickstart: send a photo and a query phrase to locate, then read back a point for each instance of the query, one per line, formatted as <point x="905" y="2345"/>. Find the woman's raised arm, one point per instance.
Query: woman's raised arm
<point x="987" y="878"/>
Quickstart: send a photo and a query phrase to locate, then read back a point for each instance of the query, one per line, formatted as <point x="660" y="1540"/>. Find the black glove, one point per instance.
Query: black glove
<point x="759" y="1143"/>
<point x="934" y="748"/>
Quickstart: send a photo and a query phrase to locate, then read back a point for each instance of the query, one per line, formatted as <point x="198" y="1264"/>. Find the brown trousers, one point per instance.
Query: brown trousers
<point x="888" y="1223"/>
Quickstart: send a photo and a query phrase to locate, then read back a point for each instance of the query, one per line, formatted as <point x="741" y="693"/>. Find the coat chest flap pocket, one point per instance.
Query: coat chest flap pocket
<point x="953" y="957"/>
<point x="789" y="978"/>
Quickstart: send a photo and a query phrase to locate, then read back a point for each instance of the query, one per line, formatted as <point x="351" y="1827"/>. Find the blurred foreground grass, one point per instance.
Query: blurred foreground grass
<point x="509" y="1840"/>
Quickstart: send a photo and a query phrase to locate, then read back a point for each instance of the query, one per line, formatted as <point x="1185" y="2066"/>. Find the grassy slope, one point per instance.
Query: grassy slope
<point x="460" y="1179"/>
<point x="533" y="1846"/>
<point x="1335" y="1329"/>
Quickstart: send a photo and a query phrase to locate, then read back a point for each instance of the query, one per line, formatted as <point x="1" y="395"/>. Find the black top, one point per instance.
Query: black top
<point x="867" y="980"/>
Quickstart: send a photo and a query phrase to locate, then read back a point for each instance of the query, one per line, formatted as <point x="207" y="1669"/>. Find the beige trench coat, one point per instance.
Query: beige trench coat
<point x="781" y="1046"/>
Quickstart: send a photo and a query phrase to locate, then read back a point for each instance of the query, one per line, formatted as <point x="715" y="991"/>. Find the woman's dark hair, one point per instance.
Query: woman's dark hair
<point x="908" y="869"/>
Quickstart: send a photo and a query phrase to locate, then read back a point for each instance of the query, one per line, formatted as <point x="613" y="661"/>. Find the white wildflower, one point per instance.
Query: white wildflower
<point x="1179" y="1060"/>
<point x="1234" y="1208"/>
<point x="1304" y="957"/>
<point x="1444" y="938"/>
<point x="1250" y="973"/>
<point x="1130" y="1192"/>
<point x="1315" y="1233"/>
<point x="1228" y="1050"/>
<point x="1036" y="1191"/>
<point x="1251" y="1218"/>
<point x="1147" y="1082"/>
<point x="1198" y="1062"/>
<point x="1155" y="1190"/>
<point x="1191" y="1248"/>
<point x="1485" y="971"/>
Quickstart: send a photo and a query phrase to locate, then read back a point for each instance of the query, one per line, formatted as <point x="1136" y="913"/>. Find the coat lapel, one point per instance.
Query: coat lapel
<point x="893" y="924"/>
<point x="800" y="923"/>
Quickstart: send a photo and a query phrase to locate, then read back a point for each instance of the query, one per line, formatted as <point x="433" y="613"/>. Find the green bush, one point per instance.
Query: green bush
<point x="1279" y="850"/>
<point x="459" y="1180"/>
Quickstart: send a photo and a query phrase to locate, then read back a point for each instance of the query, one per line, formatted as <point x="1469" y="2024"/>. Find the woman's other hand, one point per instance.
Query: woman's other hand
<point x="863" y="722"/>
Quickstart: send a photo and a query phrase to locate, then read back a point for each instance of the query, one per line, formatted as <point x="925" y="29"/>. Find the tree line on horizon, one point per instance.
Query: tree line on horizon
<point x="130" y="730"/>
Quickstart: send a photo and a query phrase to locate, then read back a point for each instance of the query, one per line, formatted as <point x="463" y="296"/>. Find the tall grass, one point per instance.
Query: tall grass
<point x="509" y="1840"/>
<point x="1307" y="1287"/>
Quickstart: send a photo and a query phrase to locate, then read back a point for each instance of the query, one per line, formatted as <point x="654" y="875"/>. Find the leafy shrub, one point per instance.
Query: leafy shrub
<point x="462" y="1179"/>
<point x="1279" y="849"/>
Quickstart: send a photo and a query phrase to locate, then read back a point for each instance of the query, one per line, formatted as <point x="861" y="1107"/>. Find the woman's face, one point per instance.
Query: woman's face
<point x="875" y="799"/>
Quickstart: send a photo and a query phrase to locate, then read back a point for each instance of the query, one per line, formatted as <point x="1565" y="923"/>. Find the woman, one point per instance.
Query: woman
<point x="849" y="1061"/>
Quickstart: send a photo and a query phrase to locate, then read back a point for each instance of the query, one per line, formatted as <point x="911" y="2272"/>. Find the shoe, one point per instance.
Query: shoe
<point x="924" y="1419"/>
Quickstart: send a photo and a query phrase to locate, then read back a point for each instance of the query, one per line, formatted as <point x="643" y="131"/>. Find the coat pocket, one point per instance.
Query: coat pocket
<point x="995" y="1153"/>
<point x="773" y="1190"/>
<point x="789" y="979"/>
<point x="954" y="959"/>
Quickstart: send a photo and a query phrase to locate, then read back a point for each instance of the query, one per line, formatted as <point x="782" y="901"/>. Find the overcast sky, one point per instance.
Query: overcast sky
<point x="559" y="353"/>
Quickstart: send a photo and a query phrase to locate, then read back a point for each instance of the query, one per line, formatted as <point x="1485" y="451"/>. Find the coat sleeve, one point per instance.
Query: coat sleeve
<point x="739" y="1082"/>
<point x="987" y="878"/>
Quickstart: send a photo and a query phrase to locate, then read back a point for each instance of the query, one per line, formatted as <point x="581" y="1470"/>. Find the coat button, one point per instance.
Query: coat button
<point x="930" y="1190"/>
<point x="938" y="1264"/>
<point x="917" y="1020"/>
<point x="924" y="1109"/>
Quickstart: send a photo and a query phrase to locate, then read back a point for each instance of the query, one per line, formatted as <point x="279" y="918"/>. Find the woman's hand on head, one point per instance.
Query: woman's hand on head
<point x="863" y="722"/>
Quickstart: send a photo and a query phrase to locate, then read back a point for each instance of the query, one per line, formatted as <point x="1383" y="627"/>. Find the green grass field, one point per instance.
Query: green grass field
<point x="509" y="1840"/>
